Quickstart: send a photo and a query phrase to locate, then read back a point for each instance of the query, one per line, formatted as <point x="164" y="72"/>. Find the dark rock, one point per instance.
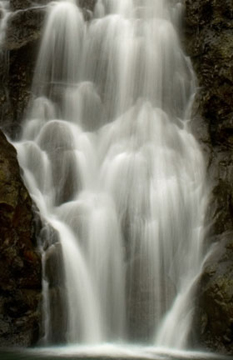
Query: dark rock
<point x="53" y="265"/>
<point x="18" y="35"/>
<point x="22" y="42"/>
<point x="25" y="4"/>
<point x="58" y="315"/>
<point x="87" y="4"/>
<point x="214" y="319"/>
<point x="209" y="43"/>
<point x="208" y="40"/>
<point x="16" y="89"/>
<point x="20" y="263"/>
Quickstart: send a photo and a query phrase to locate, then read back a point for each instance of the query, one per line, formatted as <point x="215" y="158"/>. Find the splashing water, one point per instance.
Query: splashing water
<point x="4" y="15"/>
<point x="116" y="173"/>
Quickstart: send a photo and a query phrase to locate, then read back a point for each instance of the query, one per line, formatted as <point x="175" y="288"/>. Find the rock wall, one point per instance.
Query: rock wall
<point x="209" y="43"/>
<point x="20" y="263"/>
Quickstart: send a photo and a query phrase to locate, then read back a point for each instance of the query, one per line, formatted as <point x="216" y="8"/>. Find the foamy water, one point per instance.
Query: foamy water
<point x="112" y="166"/>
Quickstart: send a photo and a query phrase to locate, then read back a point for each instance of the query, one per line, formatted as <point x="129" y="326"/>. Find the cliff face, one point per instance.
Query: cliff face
<point x="208" y="40"/>
<point x="20" y="263"/>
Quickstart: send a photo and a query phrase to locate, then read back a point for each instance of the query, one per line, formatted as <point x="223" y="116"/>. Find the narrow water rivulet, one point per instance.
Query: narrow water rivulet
<point x="118" y="177"/>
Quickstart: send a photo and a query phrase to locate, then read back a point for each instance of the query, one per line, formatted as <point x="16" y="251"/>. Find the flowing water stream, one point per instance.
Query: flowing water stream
<point x="4" y="14"/>
<point x="117" y="176"/>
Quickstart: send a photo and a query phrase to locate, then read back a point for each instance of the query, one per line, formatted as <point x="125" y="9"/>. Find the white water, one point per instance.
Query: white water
<point x="110" y="161"/>
<point x="115" y="352"/>
<point x="4" y="15"/>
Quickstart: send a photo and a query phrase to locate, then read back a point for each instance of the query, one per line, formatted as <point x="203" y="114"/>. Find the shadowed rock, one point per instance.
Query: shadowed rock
<point x="208" y="39"/>
<point x="20" y="263"/>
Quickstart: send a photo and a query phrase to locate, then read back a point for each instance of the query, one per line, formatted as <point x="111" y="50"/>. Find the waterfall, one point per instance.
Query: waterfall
<point x="118" y="177"/>
<point x="4" y="15"/>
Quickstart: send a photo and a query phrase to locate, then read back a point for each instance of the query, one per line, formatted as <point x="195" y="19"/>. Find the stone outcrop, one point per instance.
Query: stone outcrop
<point x="22" y="40"/>
<point x="208" y="41"/>
<point x="20" y="263"/>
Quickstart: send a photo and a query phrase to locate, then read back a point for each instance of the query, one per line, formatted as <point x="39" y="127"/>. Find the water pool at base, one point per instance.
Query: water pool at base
<point x="105" y="352"/>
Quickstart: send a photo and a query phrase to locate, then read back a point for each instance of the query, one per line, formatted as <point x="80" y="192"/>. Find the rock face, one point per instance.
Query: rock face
<point x="214" y="311"/>
<point x="21" y="42"/>
<point x="20" y="263"/>
<point x="208" y="40"/>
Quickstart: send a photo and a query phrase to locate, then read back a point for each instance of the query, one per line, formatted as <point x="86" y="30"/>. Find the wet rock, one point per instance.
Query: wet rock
<point x="208" y="40"/>
<point x="18" y="36"/>
<point x="18" y="58"/>
<point x="20" y="263"/>
<point x="54" y="273"/>
<point x="209" y="43"/>
<point x="25" y="4"/>
<point x="87" y="4"/>
<point x="214" y="314"/>
<point x="87" y="7"/>
<point x="58" y="315"/>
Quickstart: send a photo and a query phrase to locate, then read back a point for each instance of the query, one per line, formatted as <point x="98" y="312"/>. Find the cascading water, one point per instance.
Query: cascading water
<point x="4" y="14"/>
<point x="110" y="161"/>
